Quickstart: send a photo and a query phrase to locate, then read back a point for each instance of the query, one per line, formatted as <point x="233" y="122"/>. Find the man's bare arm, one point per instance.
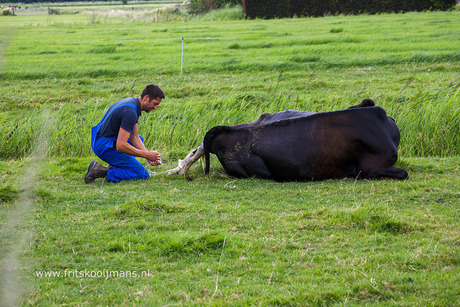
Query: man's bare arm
<point x="137" y="148"/>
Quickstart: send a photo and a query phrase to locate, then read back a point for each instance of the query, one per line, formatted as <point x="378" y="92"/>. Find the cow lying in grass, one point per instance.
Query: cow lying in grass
<point x="358" y="142"/>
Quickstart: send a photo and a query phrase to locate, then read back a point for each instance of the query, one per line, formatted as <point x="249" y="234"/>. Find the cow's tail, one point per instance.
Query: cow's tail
<point x="208" y="142"/>
<point x="207" y="162"/>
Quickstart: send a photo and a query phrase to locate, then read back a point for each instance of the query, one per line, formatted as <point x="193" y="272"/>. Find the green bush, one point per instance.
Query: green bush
<point x="224" y="14"/>
<point x="7" y="13"/>
<point x="204" y="6"/>
<point x="54" y="11"/>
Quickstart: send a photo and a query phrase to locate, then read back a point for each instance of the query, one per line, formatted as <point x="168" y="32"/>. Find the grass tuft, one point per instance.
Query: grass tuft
<point x="8" y="193"/>
<point x="336" y="30"/>
<point x="193" y="245"/>
<point x="103" y="49"/>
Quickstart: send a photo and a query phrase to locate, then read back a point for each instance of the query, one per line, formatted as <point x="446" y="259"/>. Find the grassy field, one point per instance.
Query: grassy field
<point x="221" y="241"/>
<point x="215" y="240"/>
<point x="232" y="72"/>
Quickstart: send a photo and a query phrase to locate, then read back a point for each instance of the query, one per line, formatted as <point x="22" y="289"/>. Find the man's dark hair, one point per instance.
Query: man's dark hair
<point x="154" y="92"/>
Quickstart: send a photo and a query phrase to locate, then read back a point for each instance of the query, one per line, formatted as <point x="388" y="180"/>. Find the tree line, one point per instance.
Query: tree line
<point x="303" y="8"/>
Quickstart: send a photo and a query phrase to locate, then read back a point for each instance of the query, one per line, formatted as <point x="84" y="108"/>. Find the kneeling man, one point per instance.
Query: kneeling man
<point x="116" y="140"/>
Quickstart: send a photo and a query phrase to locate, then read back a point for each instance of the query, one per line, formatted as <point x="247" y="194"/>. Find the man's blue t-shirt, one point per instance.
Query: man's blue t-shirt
<point x="122" y="117"/>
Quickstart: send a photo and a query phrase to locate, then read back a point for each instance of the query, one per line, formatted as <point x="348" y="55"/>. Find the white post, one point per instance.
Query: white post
<point x="182" y="57"/>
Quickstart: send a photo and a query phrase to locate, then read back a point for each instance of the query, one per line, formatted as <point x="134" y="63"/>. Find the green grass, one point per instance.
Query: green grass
<point x="216" y="240"/>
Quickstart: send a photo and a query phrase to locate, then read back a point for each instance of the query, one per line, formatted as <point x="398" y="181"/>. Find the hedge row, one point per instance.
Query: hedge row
<point x="289" y="8"/>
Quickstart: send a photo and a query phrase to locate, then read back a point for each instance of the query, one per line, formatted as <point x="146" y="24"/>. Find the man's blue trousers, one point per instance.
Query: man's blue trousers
<point x="123" y="166"/>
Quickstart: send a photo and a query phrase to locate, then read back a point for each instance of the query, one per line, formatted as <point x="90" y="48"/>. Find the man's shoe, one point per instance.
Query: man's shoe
<point x="95" y="170"/>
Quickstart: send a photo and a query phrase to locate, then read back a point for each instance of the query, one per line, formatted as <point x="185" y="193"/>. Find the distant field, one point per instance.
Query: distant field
<point x="108" y="9"/>
<point x="216" y="240"/>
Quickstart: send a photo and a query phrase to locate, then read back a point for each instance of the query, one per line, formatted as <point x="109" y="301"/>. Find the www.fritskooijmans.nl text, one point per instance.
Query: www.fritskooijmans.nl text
<point x="106" y="274"/>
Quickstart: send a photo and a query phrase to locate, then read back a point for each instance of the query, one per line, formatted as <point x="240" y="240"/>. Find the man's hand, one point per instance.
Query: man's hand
<point x="155" y="163"/>
<point x="154" y="158"/>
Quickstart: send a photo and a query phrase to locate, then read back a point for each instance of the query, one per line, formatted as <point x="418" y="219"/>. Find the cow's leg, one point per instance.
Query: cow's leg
<point x="244" y="165"/>
<point x="256" y="166"/>
<point x="381" y="166"/>
<point x="234" y="169"/>
<point x="391" y="172"/>
<point x="189" y="160"/>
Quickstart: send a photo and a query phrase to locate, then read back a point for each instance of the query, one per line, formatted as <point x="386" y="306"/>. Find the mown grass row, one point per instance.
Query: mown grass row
<point x="95" y="59"/>
<point x="294" y="62"/>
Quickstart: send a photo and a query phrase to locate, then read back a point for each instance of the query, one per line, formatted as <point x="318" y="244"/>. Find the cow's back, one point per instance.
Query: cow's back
<point x="271" y="118"/>
<point x="328" y="145"/>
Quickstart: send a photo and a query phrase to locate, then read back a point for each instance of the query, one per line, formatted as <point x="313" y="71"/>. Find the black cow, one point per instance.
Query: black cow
<point x="359" y="142"/>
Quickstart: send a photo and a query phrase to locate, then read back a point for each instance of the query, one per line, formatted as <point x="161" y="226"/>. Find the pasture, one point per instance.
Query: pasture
<point x="216" y="240"/>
